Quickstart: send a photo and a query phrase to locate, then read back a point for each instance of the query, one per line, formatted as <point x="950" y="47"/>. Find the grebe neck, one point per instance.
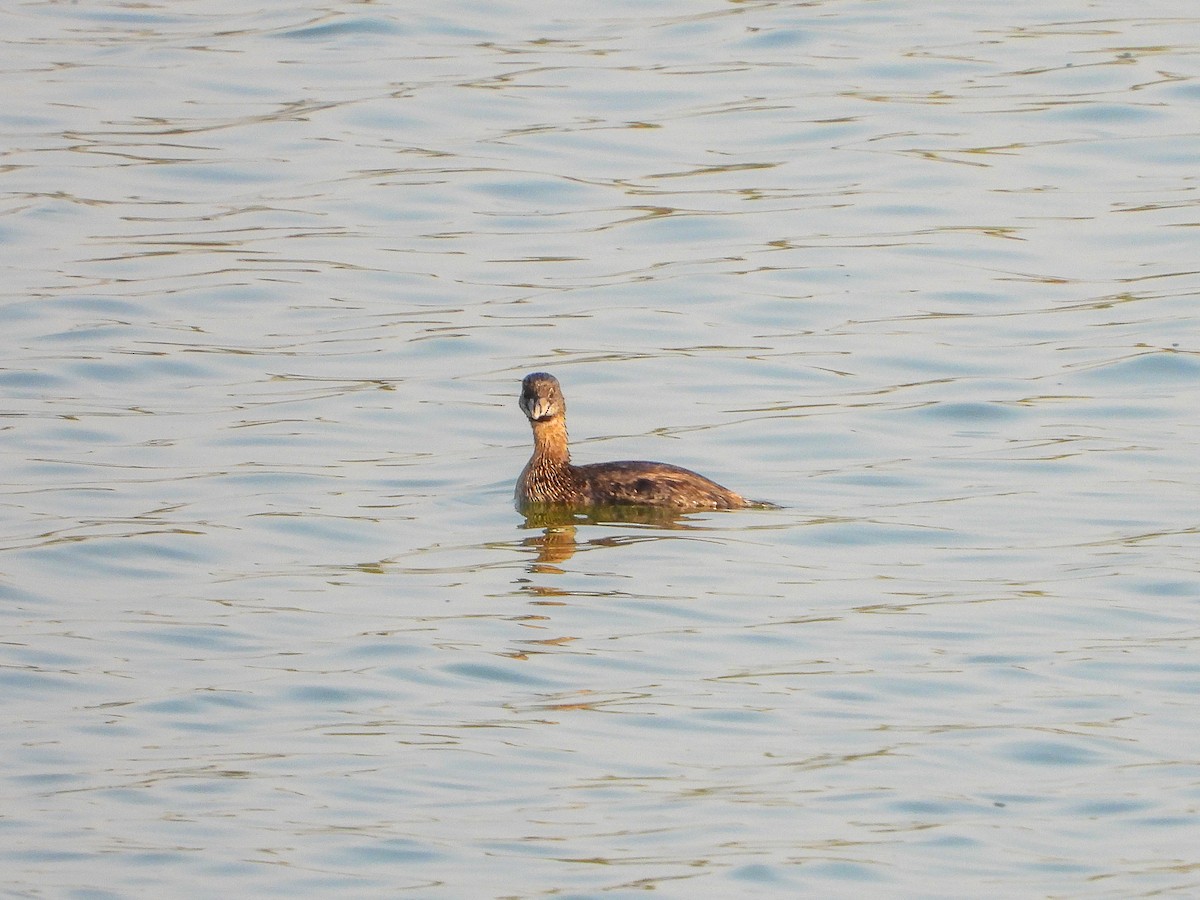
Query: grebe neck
<point x="550" y="441"/>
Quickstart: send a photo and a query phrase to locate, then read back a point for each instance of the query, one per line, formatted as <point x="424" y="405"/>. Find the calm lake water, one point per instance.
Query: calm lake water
<point x="925" y="274"/>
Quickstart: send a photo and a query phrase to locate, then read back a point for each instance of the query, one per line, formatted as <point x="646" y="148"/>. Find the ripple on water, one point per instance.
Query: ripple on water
<point x="1148" y="369"/>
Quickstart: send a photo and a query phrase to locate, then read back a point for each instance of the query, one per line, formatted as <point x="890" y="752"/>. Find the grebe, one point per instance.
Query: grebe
<point x="549" y="477"/>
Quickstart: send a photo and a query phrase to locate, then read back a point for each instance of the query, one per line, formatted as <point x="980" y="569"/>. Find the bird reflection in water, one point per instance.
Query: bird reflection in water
<point x="557" y="543"/>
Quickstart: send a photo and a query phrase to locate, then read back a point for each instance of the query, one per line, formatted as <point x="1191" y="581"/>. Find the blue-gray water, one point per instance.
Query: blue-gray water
<point x="925" y="274"/>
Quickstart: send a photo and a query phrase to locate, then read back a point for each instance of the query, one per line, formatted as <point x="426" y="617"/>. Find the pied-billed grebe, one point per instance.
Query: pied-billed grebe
<point x="549" y="477"/>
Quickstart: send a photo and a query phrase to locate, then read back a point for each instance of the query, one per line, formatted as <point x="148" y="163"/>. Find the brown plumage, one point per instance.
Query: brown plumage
<point x="549" y="477"/>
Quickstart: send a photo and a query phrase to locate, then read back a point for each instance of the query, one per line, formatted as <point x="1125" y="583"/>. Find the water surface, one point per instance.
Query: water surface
<point x="926" y="277"/>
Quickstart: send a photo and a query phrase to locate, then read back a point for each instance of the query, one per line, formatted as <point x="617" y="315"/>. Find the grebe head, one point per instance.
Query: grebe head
<point x="541" y="397"/>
